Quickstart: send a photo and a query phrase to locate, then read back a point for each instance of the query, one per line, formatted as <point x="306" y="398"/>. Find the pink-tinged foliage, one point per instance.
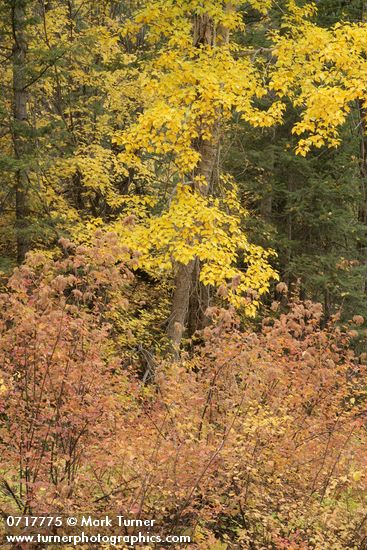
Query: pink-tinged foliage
<point x="58" y="402"/>
<point x="257" y="441"/>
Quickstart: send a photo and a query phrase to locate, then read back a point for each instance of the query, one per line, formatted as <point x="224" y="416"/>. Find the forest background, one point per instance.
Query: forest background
<point x="183" y="266"/>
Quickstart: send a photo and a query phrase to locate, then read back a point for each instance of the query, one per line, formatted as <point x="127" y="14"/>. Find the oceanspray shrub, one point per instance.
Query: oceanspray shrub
<point x="256" y="441"/>
<point x="259" y="440"/>
<point x="59" y="403"/>
<point x="292" y="472"/>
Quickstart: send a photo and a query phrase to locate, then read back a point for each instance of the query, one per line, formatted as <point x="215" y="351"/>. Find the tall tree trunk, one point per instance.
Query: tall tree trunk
<point x="266" y="204"/>
<point x="198" y="303"/>
<point x="20" y="115"/>
<point x="362" y="210"/>
<point x="190" y="298"/>
<point x="180" y="301"/>
<point x="199" y="293"/>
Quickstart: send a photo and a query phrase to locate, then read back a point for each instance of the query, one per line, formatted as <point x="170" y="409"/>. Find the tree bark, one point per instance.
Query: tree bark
<point x="191" y="298"/>
<point x="180" y="302"/>
<point x="362" y="210"/>
<point x="20" y="115"/>
<point x="198" y="303"/>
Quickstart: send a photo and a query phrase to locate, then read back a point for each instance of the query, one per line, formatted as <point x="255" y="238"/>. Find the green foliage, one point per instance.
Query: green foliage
<point x="306" y="209"/>
<point x="164" y="163"/>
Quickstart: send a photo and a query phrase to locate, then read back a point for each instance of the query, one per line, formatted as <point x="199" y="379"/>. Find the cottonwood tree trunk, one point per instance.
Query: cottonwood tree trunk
<point x="20" y="115"/>
<point x="191" y="298"/>
<point x="199" y="293"/>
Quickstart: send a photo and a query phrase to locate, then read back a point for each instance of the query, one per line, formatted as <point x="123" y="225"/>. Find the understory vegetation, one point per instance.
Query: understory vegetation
<point x="183" y="268"/>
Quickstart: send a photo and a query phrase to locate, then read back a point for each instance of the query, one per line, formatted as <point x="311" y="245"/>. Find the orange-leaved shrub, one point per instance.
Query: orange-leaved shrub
<point x="59" y="399"/>
<point x="257" y="440"/>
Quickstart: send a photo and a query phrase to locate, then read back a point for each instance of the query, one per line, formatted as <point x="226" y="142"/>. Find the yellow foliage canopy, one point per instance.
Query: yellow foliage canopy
<point x="198" y="227"/>
<point x="323" y="72"/>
